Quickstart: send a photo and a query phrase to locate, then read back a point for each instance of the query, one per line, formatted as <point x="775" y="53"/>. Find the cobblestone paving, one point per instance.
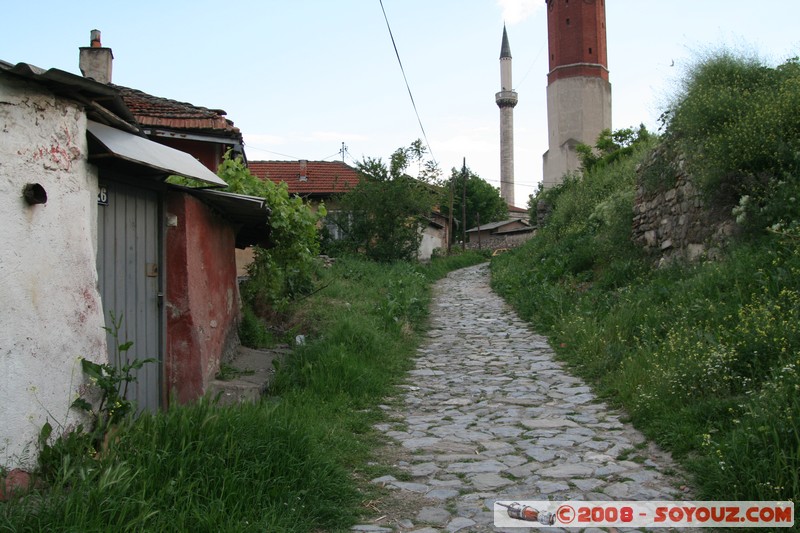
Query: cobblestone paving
<point x="489" y="414"/>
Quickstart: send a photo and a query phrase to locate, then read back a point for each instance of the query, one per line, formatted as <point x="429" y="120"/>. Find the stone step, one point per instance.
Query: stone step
<point x="249" y="375"/>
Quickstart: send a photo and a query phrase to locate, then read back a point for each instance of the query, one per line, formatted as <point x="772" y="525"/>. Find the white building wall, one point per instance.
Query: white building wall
<point x="578" y="110"/>
<point x="507" y="154"/>
<point x="431" y="239"/>
<point x="51" y="313"/>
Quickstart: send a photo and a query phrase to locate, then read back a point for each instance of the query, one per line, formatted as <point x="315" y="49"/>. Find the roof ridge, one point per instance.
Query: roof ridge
<point x="297" y="161"/>
<point x="123" y="88"/>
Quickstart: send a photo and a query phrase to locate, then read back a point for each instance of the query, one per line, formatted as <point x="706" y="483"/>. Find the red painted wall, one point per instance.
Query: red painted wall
<point x="576" y="34"/>
<point x="202" y="295"/>
<point x="209" y="154"/>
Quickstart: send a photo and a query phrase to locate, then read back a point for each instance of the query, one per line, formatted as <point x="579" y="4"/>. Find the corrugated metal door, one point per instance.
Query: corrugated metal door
<point x="129" y="269"/>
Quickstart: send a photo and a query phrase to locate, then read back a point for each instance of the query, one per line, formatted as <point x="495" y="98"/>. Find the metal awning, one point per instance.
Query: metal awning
<point x="141" y="151"/>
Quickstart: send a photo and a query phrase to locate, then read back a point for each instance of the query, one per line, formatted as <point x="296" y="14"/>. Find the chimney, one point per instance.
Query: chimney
<point x="95" y="61"/>
<point x="303" y="170"/>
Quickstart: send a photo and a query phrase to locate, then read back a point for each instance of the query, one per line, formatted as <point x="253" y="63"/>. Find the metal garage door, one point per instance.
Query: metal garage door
<point x="129" y="269"/>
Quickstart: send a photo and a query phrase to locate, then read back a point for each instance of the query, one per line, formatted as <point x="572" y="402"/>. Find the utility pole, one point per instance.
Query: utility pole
<point x="450" y="216"/>
<point x="344" y="150"/>
<point x="478" y="214"/>
<point x="464" y="205"/>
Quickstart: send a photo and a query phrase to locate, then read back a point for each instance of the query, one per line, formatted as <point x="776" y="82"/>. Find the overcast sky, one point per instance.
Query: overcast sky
<point x="299" y="77"/>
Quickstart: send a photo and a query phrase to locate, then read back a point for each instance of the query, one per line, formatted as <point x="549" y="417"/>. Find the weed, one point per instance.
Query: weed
<point x="703" y="358"/>
<point x="284" y="464"/>
<point x="253" y="333"/>
<point x="625" y="454"/>
<point x="111" y="380"/>
<point x="228" y="372"/>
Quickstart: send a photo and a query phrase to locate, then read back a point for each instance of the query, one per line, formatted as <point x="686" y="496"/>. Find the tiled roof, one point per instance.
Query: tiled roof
<point x="500" y="227"/>
<point x="152" y="110"/>
<point x="322" y="177"/>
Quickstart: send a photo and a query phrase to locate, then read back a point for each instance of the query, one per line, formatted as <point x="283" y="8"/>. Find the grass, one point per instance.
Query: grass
<point x="295" y="462"/>
<point x="704" y="358"/>
<point x="229" y="372"/>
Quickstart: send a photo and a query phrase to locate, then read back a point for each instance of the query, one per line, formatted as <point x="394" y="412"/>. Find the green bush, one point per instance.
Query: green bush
<point x="384" y="214"/>
<point x="286" y="269"/>
<point x="253" y="333"/>
<point x="703" y="357"/>
<point x="735" y="120"/>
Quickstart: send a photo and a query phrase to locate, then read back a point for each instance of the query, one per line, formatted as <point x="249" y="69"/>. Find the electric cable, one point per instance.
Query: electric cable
<point x="394" y="44"/>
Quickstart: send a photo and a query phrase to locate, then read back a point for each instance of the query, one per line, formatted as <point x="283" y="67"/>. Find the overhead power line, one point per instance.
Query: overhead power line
<point x="394" y="44"/>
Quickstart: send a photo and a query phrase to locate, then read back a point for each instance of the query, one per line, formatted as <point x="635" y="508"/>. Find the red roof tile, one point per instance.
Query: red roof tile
<point x="323" y="178"/>
<point x="152" y="110"/>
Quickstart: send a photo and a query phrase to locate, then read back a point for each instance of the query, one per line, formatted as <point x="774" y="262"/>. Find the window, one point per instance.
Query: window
<point x="332" y="222"/>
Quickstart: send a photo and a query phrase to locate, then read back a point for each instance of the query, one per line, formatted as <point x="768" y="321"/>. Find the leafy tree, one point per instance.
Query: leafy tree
<point x="285" y="269"/>
<point x="611" y="146"/>
<point x="384" y="215"/>
<point x="482" y="200"/>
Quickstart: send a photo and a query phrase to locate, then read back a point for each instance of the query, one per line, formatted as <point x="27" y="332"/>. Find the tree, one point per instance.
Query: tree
<point x="284" y="270"/>
<point x="611" y="146"/>
<point x="384" y="215"/>
<point x="483" y="200"/>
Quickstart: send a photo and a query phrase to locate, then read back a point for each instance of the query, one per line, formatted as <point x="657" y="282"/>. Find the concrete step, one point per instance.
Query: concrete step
<point x="249" y="375"/>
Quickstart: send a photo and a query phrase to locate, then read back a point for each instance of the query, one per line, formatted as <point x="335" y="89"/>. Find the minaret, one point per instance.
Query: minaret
<point x="578" y="90"/>
<point x="506" y="100"/>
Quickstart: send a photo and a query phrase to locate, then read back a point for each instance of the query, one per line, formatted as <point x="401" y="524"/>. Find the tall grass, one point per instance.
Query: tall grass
<point x="289" y="463"/>
<point x="705" y="358"/>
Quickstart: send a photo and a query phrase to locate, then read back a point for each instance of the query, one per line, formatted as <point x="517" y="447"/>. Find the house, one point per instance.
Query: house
<point x="69" y="152"/>
<point x="52" y="312"/>
<point x="204" y="229"/>
<point x="503" y="234"/>
<point x="91" y="227"/>
<point x="518" y="213"/>
<point x="314" y="181"/>
<point x="434" y="236"/>
<point x="323" y="181"/>
<point x="204" y="133"/>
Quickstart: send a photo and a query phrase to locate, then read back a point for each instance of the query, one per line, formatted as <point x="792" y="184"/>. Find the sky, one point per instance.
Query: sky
<point x="301" y="77"/>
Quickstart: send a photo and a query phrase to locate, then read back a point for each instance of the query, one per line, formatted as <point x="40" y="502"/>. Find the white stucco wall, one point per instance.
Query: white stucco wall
<point x="50" y="309"/>
<point x="578" y="108"/>
<point x="432" y="238"/>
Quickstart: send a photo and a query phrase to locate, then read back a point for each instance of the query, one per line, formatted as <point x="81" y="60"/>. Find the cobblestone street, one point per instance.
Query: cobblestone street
<point x="488" y="414"/>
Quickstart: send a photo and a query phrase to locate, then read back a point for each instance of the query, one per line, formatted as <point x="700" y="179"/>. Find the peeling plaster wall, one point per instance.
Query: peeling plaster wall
<point x="432" y="238"/>
<point x="51" y="313"/>
<point x="202" y="296"/>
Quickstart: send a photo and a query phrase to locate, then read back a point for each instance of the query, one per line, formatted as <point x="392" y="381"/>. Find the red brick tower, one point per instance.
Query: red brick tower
<point x="578" y="90"/>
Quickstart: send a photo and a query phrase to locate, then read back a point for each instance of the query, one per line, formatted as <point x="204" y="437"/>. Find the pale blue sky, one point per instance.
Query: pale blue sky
<point x="300" y="77"/>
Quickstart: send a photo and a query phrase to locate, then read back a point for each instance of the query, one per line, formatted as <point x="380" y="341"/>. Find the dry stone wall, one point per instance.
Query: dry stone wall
<point x="678" y="222"/>
<point x="503" y="240"/>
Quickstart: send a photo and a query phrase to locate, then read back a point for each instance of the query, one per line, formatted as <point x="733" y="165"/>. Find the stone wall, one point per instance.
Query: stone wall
<point x="506" y="240"/>
<point x="679" y="223"/>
